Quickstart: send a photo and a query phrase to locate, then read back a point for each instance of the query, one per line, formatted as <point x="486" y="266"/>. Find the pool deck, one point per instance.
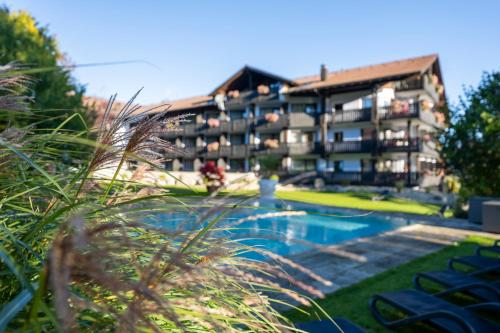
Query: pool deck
<point x="352" y="261"/>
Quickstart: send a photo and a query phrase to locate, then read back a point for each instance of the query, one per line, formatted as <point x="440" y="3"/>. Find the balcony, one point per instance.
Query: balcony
<point x="176" y="152"/>
<point x="173" y="132"/>
<point x="411" y="84"/>
<point x="224" y="151"/>
<point x="400" y="145"/>
<point x="239" y="151"/>
<point x="303" y="148"/>
<point x="222" y="128"/>
<point x="191" y="130"/>
<point x="301" y="120"/>
<point x="364" y="146"/>
<point x="352" y="116"/>
<point x="399" y="111"/>
<point x="264" y="126"/>
<point x="189" y="152"/>
<point x="238" y="126"/>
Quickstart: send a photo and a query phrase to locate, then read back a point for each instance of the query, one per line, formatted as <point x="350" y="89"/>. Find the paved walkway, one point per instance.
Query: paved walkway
<point x="350" y="262"/>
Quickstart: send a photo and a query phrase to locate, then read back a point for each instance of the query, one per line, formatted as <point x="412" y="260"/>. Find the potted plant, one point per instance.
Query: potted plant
<point x="269" y="166"/>
<point x="212" y="176"/>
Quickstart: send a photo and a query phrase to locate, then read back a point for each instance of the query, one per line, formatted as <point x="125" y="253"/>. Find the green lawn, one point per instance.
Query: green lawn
<point x="356" y="200"/>
<point x="359" y="201"/>
<point x="352" y="302"/>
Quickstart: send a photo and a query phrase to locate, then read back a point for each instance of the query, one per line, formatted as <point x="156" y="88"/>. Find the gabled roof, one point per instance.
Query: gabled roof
<point x="248" y="76"/>
<point x="190" y="103"/>
<point x="357" y="75"/>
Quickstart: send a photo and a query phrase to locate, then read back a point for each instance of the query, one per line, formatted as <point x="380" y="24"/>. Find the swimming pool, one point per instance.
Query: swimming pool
<point x="288" y="228"/>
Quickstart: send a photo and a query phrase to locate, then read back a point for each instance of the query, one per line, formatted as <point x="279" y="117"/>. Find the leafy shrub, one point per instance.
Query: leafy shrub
<point x="345" y="182"/>
<point x="400" y="185"/>
<point x="269" y="165"/>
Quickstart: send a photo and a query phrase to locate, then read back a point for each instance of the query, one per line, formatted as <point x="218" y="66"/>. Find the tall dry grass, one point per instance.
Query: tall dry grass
<point x="79" y="253"/>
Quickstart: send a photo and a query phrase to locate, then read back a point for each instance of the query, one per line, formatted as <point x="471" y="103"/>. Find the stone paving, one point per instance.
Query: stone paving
<point x="350" y="262"/>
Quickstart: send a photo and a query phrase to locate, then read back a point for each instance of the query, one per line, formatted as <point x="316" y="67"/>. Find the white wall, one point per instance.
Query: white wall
<point x="353" y="105"/>
<point x="385" y="96"/>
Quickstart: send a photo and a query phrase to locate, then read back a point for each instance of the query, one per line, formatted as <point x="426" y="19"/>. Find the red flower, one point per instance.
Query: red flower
<point x="212" y="173"/>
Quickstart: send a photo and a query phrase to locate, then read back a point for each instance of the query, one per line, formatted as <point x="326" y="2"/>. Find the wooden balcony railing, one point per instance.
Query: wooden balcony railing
<point x="224" y="151"/>
<point x="347" y="116"/>
<point x="222" y="128"/>
<point x="400" y="110"/>
<point x="411" y="84"/>
<point x="301" y="120"/>
<point x="303" y="148"/>
<point x="262" y="125"/>
<point x="401" y="145"/>
<point x="239" y="151"/>
<point x="191" y="129"/>
<point x="364" y="146"/>
<point x="238" y="126"/>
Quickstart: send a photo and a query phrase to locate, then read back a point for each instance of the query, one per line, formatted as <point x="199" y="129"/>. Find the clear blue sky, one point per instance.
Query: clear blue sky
<point x="195" y="45"/>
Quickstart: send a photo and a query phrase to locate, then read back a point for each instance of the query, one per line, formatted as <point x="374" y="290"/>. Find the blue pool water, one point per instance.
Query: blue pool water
<point x="288" y="228"/>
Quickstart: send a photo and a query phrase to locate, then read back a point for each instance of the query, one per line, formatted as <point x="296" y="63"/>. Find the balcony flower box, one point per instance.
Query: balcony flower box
<point x="234" y="93"/>
<point x="213" y="122"/>
<point x="212" y="147"/>
<point x="263" y="89"/>
<point x="272" y="117"/>
<point x="271" y="143"/>
<point x="400" y="107"/>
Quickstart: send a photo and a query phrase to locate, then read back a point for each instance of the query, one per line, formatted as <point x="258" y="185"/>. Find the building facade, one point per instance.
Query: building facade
<point x="370" y="125"/>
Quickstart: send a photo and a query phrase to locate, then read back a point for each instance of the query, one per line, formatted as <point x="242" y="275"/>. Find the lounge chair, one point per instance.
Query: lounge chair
<point x="495" y="248"/>
<point x="326" y="326"/>
<point x="422" y="307"/>
<point x="480" y="263"/>
<point x="456" y="282"/>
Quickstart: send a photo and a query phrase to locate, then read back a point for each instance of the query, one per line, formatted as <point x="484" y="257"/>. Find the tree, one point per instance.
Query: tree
<point x="471" y="144"/>
<point x="55" y="94"/>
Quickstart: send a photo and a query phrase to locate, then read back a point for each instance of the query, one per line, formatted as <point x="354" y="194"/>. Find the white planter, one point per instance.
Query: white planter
<point x="267" y="188"/>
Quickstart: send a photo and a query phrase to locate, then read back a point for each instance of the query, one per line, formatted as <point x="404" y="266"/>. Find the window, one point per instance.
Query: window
<point x="303" y="165"/>
<point x="236" y="114"/>
<point x="211" y="139"/>
<point x="237" y="139"/>
<point x="168" y="165"/>
<point x="339" y="107"/>
<point x="189" y="142"/>
<point x="310" y="108"/>
<point x="367" y="102"/>
<point x="237" y="165"/>
<point x="209" y="115"/>
<point x="188" y="165"/>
